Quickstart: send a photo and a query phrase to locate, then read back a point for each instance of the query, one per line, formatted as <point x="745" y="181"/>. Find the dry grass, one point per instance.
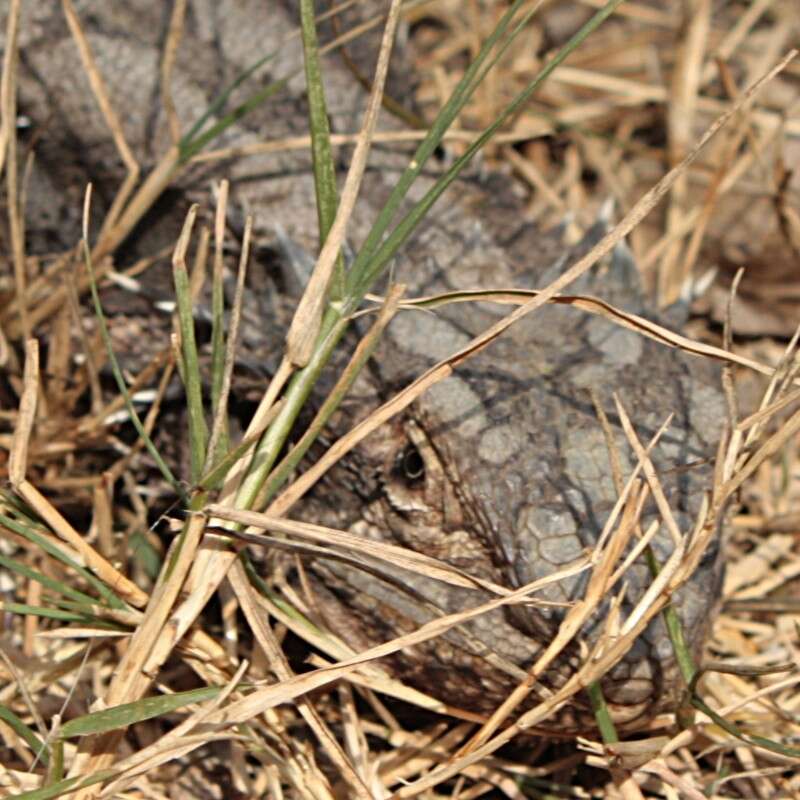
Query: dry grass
<point x="623" y="118"/>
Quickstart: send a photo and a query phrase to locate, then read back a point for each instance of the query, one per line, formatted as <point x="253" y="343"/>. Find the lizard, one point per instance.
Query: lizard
<point x="503" y="469"/>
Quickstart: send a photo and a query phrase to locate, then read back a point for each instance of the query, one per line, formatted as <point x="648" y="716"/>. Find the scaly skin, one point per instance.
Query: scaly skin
<point x="503" y="468"/>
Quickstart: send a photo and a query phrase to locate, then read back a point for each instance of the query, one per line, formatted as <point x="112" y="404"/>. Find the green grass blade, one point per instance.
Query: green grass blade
<point x="297" y="392"/>
<point x="446" y="116"/>
<point x="147" y="556"/>
<point x="746" y="670"/>
<point x="46" y="613"/>
<point x="18" y="505"/>
<point x="682" y="651"/>
<point x="362" y="354"/>
<point x="120" y="380"/>
<point x="195" y="140"/>
<point x="218" y="320"/>
<point x="757" y="741"/>
<point x="198" y="430"/>
<point x="52" y="550"/>
<point x="122" y="716"/>
<point x="321" y="152"/>
<point x="221" y="101"/>
<point x="367" y="268"/>
<point x="55" y="771"/>
<point x="39" y="748"/>
<point x="58" y="587"/>
<point x="217" y="473"/>
<point x="602" y="714"/>
<point x="87" y="612"/>
<point x="189" y="147"/>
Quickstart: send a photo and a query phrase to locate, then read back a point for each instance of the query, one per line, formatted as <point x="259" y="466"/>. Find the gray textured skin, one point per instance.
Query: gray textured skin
<point x="517" y="480"/>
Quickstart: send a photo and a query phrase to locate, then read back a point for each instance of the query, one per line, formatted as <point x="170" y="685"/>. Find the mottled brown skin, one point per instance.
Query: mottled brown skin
<point x="503" y="468"/>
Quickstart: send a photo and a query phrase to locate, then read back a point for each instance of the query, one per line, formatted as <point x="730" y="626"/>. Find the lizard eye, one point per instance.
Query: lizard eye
<point x="412" y="465"/>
